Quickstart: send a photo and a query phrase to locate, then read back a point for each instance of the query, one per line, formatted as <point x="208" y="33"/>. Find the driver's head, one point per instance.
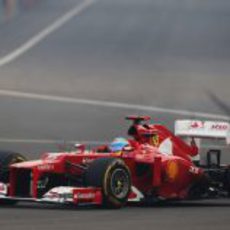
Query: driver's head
<point x="118" y="144"/>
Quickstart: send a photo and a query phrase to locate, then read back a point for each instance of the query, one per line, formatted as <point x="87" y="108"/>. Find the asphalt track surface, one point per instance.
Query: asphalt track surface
<point x="171" y="54"/>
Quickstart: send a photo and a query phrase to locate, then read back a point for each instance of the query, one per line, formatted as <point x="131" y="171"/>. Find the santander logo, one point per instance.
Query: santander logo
<point x="197" y="125"/>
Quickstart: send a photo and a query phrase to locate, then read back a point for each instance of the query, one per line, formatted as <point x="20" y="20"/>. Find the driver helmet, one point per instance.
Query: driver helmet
<point x="118" y="144"/>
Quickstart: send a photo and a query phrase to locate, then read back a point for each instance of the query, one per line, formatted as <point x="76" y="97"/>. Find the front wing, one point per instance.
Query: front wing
<point x="69" y="195"/>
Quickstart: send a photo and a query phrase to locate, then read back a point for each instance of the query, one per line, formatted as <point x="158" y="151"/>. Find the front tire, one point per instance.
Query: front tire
<point x="6" y="159"/>
<point x="113" y="177"/>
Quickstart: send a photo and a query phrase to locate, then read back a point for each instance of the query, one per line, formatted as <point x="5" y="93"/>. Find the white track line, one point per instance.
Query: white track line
<point x="110" y="104"/>
<point x="72" y="142"/>
<point x="41" y="141"/>
<point x="46" y="32"/>
<point x="52" y="28"/>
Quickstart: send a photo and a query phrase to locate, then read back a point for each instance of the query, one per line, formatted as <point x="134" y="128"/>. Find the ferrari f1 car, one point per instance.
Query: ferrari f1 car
<point x="153" y="164"/>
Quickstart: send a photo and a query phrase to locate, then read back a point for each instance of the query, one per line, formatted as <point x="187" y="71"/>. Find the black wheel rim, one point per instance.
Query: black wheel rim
<point x="119" y="183"/>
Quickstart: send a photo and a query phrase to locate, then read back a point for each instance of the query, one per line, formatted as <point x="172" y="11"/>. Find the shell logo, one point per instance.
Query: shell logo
<point x="172" y="170"/>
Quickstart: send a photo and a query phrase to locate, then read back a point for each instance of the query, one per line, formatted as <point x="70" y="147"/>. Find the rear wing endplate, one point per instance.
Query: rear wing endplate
<point x="203" y="129"/>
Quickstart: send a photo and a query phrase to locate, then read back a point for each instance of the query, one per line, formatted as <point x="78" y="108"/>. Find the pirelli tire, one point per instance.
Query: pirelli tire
<point x="113" y="176"/>
<point x="8" y="158"/>
<point x="227" y="181"/>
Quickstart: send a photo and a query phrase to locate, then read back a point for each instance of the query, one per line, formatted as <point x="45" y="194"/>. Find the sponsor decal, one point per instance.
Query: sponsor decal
<point x="172" y="170"/>
<point x="53" y="156"/>
<point x="194" y="170"/>
<point x="155" y="140"/>
<point x="197" y="125"/>
<point x="84" y="196"/>
<point x="59" y="194"/>
<point x="46" y="167"/>
<point x="87" y="160"/>
<point x="52" y="195"/>
<point x="220" y="127"/>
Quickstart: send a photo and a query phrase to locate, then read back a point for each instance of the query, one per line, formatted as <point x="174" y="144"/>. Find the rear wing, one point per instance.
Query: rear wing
<point x="203" y="129"/>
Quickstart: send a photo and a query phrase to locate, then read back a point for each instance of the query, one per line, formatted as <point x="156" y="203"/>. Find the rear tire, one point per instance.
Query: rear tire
<point x="113" y="177"/>
<point x="8" y="158"/>
<point x="227" y="181"/>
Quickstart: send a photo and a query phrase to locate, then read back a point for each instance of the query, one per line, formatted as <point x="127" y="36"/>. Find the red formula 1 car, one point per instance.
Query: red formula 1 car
<point x="154" y="164"/>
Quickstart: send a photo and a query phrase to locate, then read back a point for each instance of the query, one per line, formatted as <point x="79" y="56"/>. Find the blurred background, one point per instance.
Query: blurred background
<point x="10" y="8"/>
<point x="170" y="54"/>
